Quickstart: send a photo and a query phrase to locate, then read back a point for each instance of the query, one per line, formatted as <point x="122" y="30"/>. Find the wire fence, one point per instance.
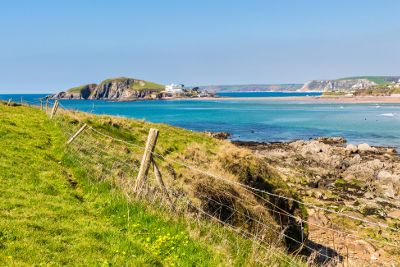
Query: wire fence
<point x="251" y="212"/>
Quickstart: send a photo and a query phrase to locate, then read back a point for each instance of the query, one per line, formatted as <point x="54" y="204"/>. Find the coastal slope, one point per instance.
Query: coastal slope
<point x="74" y="204"/>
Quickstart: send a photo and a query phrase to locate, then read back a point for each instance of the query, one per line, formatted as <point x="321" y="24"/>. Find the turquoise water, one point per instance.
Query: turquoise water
<point x="258" y="120"/>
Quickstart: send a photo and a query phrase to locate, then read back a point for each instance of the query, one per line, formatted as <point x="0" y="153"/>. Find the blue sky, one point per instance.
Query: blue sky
<point x="47" y="46"/>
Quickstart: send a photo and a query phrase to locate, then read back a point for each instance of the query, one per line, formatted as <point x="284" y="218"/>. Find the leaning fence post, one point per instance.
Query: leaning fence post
<point x="47" y="104"/>
<point x="41" y="104"/>
<point x="146" y="160"/>
<point x="9" y="102"/>
<point x="76" y="134"/>
<point x="54" y="110"/>
<point x="21" y="100"/>
<point x="160" y="181"/>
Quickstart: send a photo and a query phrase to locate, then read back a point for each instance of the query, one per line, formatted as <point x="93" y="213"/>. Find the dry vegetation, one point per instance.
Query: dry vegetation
<point x="226" y="201"/>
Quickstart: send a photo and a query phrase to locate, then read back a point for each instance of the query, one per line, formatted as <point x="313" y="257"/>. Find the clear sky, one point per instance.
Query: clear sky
<point x="47" y="46"/>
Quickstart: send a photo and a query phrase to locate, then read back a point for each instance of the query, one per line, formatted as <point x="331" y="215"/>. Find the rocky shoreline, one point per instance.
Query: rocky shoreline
<point x="361" y="181"/>
<point x="351" y="172"/>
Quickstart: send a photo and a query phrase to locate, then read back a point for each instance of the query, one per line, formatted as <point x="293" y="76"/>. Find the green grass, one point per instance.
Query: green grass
<point x="55" y="212"/>
<point x="334" y="93"/>
<point x="378" y="90"/>
<point x="375" y="79"/>
<point x="137" y="85"/>
<point x="78" y="89"/>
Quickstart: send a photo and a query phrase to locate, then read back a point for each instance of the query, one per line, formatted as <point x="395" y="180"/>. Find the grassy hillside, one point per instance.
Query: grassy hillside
<point x="78" y="89"/>
<point x="58" y="209"/>
<point x="375" y="79"/>
<point x="136" y="85"/>
<point x="379" y="90"/>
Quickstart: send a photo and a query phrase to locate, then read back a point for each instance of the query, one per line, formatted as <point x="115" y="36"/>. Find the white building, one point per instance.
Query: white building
<point x="174" y="88"/>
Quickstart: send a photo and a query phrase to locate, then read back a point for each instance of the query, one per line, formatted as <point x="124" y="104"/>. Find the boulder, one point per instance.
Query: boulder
<point x="351" y="149"/>
<point x="219" y="135"/>
<point x="391" y="151"/>
<point x="331" y="140"/>
<point x="355" y="160"/>
<point x="365" y="148"/>
<point x="384" y="175"/>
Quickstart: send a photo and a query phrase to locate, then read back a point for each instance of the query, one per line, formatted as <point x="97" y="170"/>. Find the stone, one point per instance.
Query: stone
<point x="388" y="190"/>
<point x="391" y="151"/>
<point x="384" y="175"/>
<point x="351" y="148"/>
<point x="365" y="148"/>
<point x="219" y="135"/>
<point x="356" y="159"/>
<point x="331" y="140"/>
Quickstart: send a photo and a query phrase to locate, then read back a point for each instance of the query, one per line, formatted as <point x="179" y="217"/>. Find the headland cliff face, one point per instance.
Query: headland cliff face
<point x="349" y="84"/>
<point x="335" y="85"/>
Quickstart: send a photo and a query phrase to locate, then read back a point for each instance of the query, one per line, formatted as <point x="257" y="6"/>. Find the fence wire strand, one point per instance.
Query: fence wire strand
<point x="254" y="191"/>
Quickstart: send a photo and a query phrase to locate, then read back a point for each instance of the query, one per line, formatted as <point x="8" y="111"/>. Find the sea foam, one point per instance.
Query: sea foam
<point x="387" y="114"/>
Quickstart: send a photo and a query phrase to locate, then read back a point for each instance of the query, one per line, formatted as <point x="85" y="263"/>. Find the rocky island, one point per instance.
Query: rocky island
<point x="128" y="89"/>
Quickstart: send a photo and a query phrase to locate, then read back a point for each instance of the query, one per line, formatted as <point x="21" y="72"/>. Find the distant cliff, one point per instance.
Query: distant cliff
<point x="120" y="89"/>
<point x="348" y="84"/>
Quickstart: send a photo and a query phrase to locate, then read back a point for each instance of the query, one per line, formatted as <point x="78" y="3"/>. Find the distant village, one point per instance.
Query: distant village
<point x="179" y="90"/>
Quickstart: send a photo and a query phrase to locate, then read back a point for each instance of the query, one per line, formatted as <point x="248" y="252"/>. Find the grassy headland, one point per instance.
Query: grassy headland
<point x="375" y="79"/>
<point x="79" y="89"/>
<point x="135" y="84"/>
<point x="58" y="207"/>
<point x="379" y="90"/>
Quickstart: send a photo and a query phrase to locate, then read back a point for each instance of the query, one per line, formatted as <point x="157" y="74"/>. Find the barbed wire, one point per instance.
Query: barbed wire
<point x="297" y="218"/>
<point x="243" y="185"/>
<point x="267" y="226"/>
<point x="244" y="234"/>
<point x="263" y="224"/>
<point x="252" y="189"/>
<point x="79" y="148"/>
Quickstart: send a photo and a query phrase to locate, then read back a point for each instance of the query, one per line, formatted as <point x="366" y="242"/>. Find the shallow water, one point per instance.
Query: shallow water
<point x="376" y="124"/>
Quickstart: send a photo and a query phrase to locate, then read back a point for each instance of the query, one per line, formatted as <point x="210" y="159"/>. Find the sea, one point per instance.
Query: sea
<point x="258" y="120"/>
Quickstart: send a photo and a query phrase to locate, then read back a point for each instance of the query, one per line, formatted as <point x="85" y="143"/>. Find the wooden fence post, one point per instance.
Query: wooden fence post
<point x="41" y="104"/>
<point x="76" y="134"/>
<point x="9" y="102"/>
<point x="21" y="100"/>
<point x="146" y="160"/>
<point x="54" y="110"/>
<point x="47" y="105"/>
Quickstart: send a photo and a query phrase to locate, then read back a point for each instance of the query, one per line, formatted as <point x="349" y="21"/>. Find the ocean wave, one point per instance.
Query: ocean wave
<point x="387" y="114"/>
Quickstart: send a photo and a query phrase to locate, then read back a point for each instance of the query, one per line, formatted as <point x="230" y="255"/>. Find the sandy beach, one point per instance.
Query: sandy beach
<point x="322" y="99"/>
